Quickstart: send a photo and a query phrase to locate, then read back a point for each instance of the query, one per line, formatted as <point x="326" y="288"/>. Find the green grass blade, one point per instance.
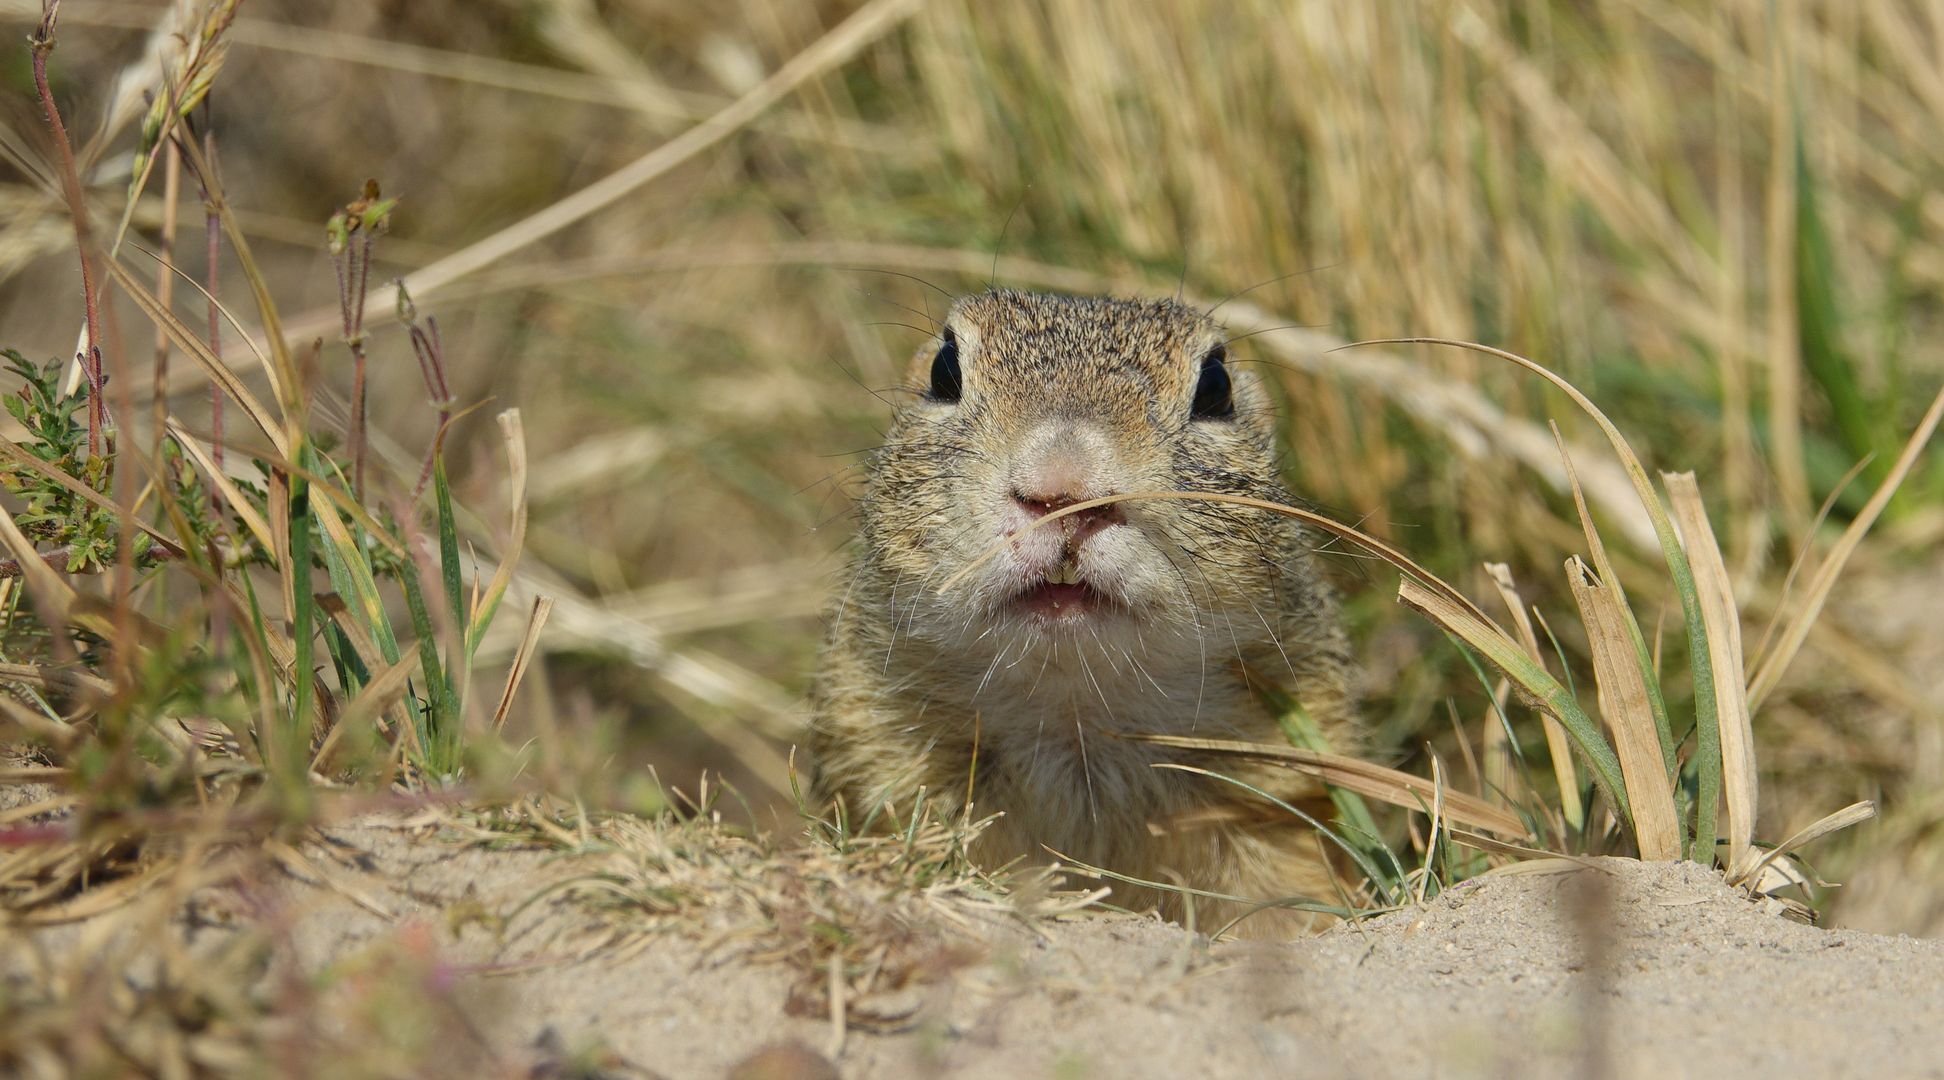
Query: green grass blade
<point x="351" y="671"/>
<point x="455" y="589"/>
<point x="459" y="655"/>
<point x="1302" y="731"/>
<point x="1509" y="658"/>
<point x="294" y="751"/>
<point x="438" y="733"/>
<point x="351" y="576"/>
<point x="1359" y="857"/>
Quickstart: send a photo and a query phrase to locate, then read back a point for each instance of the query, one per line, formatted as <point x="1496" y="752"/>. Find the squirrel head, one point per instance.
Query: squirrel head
<point x="1029" y="403"/>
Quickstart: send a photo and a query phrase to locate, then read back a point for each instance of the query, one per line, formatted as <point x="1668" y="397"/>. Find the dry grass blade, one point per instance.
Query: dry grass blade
<point x="191" y="342"/>
<point x="1723" y="618"/>
<point x="1565" y="772"/>
<point x="96" y="899"/>
<point x="514" y="435"/>
<point x="1623" y="702"/>
<point x="56" y="804"/>
<point x="1799" y="565"/>
<point x="53" y="731"/>
<point x="372" y="700"/>
<point x="74" y="678"/>
<point x="305" y="868"/>
<point x="1403" y="562"/>
<point x="222" y="310"/>
<point x="233" y="498"/>
<point x="1497" y="775"/>
<point x="1854" y="814"/>
<point x="1362" y="777"/>
<point x="1492" y="846"/>
<point x="1457" y="408"/>
<point x="1610" y="578"/>
<point x="529" y="645"/>
<point x="529" y="78"/>
<point x="1068" y="861"/>
<point x="1434" y="832"/>
<point x="1797" y="630"/>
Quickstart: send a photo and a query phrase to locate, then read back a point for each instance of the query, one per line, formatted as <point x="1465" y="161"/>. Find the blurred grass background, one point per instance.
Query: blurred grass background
<point x="1719" y="220"/>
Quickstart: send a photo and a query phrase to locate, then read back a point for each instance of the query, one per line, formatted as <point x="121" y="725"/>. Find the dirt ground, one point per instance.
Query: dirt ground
<point x="1611" y="968"/>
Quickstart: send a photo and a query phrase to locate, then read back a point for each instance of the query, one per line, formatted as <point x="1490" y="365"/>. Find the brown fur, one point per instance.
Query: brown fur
<point x="1097" y="392"/>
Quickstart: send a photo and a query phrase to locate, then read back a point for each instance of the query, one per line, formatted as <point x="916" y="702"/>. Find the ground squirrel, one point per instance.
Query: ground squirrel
<point x="1138" y="616"/>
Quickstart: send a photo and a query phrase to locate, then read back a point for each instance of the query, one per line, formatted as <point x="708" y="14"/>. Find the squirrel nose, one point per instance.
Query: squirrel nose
<point x="1059" y="463"/>
<point x="1079" y="525"/>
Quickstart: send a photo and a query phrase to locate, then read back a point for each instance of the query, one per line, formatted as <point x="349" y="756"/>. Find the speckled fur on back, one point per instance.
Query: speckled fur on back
<point x="1084" y="397"/>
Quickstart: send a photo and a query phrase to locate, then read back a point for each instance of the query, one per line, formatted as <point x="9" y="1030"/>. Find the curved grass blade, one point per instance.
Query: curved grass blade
<point x="1663" y="727"/>
<point x="1738" y="778"/>
<point x="1357" y="855"/>
<point x="1363" y="777"/>
<point x="1535" y="680"/>
<point x="1707" y="737"/>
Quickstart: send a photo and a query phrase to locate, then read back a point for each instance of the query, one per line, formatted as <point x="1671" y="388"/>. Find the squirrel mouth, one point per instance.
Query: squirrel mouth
<point x="1061" y="595"/>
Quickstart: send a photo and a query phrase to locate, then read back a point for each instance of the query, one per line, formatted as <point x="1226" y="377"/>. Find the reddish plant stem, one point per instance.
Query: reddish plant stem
<point x="42" y="43"/>
<point x="430" y="350"/>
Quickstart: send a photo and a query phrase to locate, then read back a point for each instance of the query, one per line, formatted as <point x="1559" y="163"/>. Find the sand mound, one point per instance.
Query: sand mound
<point x="699" y="960"/>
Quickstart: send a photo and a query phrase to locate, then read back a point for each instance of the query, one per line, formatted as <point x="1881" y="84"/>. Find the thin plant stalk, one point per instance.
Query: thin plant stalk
<point x="165" y="288"/>
<point x="212" y="268"/>
<point x="429" y="348"/>
<point x="41" y="43"/>
<point x="351" y="261"/>
<point x="350" y="234"/>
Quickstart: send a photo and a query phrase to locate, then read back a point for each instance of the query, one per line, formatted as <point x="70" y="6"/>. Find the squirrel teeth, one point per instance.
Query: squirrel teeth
<point x="1067" y="573"/>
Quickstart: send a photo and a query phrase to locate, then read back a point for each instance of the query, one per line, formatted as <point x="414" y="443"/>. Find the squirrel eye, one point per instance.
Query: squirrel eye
<point x="1212" y="398"/>
<point x="946" y="385"/>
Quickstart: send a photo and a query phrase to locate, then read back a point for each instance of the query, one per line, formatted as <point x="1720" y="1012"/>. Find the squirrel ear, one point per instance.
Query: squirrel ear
<point x="946" y="383"/>
<point x="1213" y="397"/>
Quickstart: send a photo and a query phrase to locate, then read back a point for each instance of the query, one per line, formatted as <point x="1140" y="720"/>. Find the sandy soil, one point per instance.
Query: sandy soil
<point x="1616" y="968"/>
